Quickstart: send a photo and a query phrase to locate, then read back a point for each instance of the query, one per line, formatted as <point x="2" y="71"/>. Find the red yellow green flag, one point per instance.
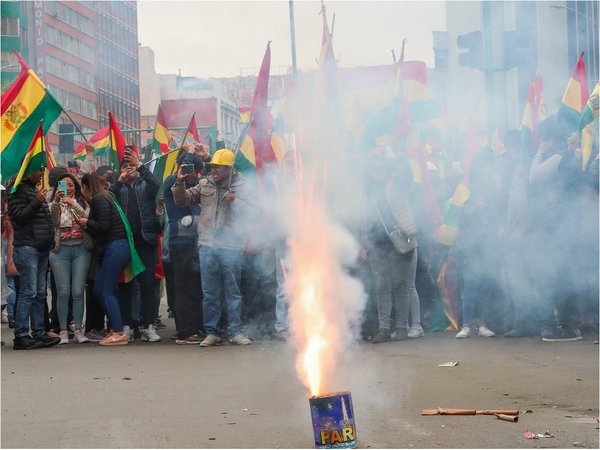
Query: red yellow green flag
<point x="534" y="114"/>
<point x="100" y="140"/>
<point x="35" y="157"/>
<point x="116" y="150"/>
<point x="162" y="135"/>
<point x="256" y="147"/>
<point x="24" y="104"/>
<point x="191" y="135"/>
<point x="50" y="162"/>
<point x="575" y="97"/>
<point x="586" y="126"/>
<point x="164" y="166"/>
<point x="327" y="65"/>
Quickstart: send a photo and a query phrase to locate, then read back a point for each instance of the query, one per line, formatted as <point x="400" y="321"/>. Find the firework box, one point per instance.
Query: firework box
<point x="333" y="420"/>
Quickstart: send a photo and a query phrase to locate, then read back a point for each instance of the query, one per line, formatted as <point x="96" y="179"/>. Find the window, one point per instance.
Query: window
<point x="9" y="26"/>
<point x="89" y="109"/>
<point x="9" y="62"/>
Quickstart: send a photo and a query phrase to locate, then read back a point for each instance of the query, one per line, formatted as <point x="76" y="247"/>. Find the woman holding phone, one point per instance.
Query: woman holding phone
<point x="70" y="259"/>
<point x="105" y="225"/>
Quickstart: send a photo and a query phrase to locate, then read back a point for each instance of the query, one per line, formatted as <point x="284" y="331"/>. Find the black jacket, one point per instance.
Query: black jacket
<point x="104" y="222"/>
<point x="30" y="218"/>
<point x="146" y="190"/>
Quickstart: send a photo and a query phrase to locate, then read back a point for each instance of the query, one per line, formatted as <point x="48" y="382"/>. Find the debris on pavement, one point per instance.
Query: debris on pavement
<point x="507" y="417"/>
<point x="449" y="364"/>
<point x="529" y="435"/>
<point x="468" y="412"/>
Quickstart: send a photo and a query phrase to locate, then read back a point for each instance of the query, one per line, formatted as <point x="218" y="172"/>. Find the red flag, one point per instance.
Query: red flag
<point x="117" y="143"/>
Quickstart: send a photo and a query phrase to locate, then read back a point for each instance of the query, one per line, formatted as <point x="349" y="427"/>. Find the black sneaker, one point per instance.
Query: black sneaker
<point x="561" y="334"/>
<point x="11" y="323"/>
<point x="383" y="335"/>
<point x="47" y="341"/>
<point x="137" y="334"/>
<point x="26" y="343"/>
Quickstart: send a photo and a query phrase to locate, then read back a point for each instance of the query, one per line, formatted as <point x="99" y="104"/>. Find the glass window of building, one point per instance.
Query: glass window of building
<point x="9" y="26"/>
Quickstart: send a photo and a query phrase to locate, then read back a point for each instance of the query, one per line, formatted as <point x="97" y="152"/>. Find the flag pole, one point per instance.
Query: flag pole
<point x="76" y="126"/>
<point x="44" y="162"/>
<point x="110" y="137"/>
<point x="164" y="154"/>
<point x="238" y="145"/>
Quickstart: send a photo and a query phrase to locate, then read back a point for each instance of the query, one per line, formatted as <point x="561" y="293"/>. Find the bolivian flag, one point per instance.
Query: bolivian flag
<point x="164" y="166"/>
<point x="100" y="140"/>
<point x="35" y="158"/>
<point x="50" y="162"/>
<point x="116" y="151"/>
<point x="24" y="104"/>
<point x="256" y="147"/>
<point x="162" y="135"/>
<point x="586" y="126"/>
<point x="534" y="114"/>
<point x="575" y="97"/>
<point x="191" y="135"/>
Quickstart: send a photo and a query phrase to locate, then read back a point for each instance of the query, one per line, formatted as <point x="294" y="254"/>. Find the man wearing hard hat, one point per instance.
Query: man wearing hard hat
<point x="225" y="208"/>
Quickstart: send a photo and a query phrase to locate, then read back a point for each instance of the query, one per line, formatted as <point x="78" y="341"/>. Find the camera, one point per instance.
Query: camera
<point x="187" y="169"/>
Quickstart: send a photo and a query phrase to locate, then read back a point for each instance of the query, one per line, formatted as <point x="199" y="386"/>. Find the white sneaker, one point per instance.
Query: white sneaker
<point x="415" y="331"/>
<point x="64" y="337"/>
<point x="150" y="334"/>
<point x="485" y="331"/>
<point x="464" y="333"/>
<point x="240" y="339"/>
<point x="79" y="337"/>
<point x="129" y="332"/>
<point x="210" y="341"/>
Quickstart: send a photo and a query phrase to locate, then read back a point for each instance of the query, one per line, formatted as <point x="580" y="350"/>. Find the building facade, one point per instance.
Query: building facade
<point x="86" y="53"/>
<point x="180" y="97"/>
<point x="13" y="36"/>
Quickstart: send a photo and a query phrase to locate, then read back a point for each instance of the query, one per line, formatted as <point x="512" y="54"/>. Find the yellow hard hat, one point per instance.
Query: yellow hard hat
<point x="223" y="157"/>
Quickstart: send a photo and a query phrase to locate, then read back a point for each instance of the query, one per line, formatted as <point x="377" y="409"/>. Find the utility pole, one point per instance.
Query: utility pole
<point x="293" y="38"/>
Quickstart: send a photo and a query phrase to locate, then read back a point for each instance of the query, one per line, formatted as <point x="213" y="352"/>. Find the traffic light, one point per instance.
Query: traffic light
<point x="65" y="143"/>
<point x="517" y="51"/>
<point x="473" y="43"/>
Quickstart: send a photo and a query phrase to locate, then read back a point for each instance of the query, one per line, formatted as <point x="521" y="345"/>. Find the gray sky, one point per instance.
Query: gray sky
<point x="218" y="38"/>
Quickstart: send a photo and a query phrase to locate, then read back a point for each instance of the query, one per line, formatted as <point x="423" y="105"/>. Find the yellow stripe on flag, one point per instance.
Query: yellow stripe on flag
<point x="25" y="102"/>
<point x="35" y="149"/>
<point x="247" y="149"/>
<point x="572" y="95"/>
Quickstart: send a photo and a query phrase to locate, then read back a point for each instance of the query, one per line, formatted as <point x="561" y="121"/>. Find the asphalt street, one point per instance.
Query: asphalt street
<point x="161" y="395"/>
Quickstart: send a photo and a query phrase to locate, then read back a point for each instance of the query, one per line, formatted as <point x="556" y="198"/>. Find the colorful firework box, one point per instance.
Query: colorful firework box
<point x="333" y="420"/>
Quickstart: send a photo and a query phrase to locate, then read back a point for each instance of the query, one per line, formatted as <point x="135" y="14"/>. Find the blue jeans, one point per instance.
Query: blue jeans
<point x="32" y="265"/>
<point x="70" y="267"/>
<point x="221" y="269"/>
<point x="116" y="257"/>
<point x="11" y="298"/>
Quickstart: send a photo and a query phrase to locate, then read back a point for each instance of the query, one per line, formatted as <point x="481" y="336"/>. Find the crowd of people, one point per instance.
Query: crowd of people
<point x="526" y="251"/>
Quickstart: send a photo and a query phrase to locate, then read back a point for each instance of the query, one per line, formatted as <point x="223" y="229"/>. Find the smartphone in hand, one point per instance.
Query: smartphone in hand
<point x="62" y="185"/>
